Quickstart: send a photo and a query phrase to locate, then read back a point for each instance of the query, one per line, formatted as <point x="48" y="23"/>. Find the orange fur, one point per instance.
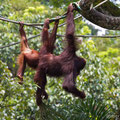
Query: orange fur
<point x="29" y="56"/>
<point x="20" y="59"/>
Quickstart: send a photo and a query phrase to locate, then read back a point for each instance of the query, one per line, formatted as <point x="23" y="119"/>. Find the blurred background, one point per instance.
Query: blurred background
<point x="100" y="79"/>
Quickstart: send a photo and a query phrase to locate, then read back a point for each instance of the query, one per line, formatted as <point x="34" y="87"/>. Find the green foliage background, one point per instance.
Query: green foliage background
<point x="100" y="79"/>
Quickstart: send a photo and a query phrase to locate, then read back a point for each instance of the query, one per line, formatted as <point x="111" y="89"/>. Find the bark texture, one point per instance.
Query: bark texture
<point x="98" y="18"/>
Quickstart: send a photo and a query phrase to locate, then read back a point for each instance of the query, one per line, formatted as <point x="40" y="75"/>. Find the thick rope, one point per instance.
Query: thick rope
<point x="75" y="4"/>
<point x="77" y="36"/>
<point x="32" y="24"/>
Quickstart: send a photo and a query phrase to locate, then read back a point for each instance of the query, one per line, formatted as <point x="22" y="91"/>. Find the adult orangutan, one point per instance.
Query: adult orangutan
<point x="67" y="64"/>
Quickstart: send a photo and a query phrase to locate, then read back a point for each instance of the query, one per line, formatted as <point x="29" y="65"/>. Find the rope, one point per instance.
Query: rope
<point x="93" y="36"/>
<point x="100" y="3"/>
<point x="76" y="4"/>
<point x="32" y="24"/>
<point x="19" y="42"/>
<point x="77" y="36"/>
<point x="16" y="22"/>
<point x="39" y="34"/>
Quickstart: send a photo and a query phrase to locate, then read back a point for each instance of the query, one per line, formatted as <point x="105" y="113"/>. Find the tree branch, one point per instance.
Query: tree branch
<point x="105" y="21"/>
<point x="109" y="8"/>
<point x="85" y="4"/>
<point x="98" y="18"/>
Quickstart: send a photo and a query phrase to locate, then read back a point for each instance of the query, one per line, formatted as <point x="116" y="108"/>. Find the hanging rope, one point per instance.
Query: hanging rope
<point x="16" y="22"/>
<point x="19" y="42"/>
<point x="93" y="36"/>
<point x="76" y="5"/>
<point x="32" y="24"/>
<point x="77" y="36"/>
<point x="38" y="35"/>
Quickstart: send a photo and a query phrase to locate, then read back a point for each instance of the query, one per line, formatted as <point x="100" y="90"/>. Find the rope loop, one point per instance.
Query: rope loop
<point x="76" y="6"/>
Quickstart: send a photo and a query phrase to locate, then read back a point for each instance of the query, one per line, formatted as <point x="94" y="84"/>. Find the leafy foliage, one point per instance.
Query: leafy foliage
<point x="100" y="79"/>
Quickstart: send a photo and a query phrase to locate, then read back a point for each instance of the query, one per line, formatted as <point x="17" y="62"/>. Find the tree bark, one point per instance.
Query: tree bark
<point x="108" y="8"/>
<point x="98" y="18"/>
<point x="85" y="4"/>
<point x="105" y="21"/>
